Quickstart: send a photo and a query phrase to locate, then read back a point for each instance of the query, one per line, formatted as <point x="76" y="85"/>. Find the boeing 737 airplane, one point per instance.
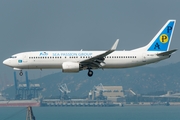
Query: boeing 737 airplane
<point x="75" y="61"/>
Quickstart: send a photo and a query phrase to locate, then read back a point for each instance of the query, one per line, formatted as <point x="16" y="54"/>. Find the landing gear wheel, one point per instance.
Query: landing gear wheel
<point x="21" y="73"/>
<point x="90" y="73"/>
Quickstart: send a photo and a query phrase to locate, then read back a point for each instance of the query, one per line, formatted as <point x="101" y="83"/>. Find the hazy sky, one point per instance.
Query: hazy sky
<point x="28" y="25"/>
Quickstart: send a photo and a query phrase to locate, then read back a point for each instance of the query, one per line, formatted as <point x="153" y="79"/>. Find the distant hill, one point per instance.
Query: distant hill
<point x="140" y="79"/>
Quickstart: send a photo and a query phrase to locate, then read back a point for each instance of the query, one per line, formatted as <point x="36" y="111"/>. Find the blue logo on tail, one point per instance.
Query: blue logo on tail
<point x="163" y="40"/>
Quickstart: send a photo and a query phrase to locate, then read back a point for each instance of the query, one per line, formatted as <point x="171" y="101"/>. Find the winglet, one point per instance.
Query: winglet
<point x="115" y="45"/>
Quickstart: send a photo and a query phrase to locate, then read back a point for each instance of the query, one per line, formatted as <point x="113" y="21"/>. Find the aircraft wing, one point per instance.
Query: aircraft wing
<point x="98" y="60"/>
<point x="167" y="52"/>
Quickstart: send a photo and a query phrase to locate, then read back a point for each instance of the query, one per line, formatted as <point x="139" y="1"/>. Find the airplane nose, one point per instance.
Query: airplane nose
<point x="5" y="62"/>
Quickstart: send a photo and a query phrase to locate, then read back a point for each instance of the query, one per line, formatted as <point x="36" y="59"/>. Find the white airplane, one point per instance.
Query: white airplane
<point x="75" y="61"/>
<point x="169" y="94"/>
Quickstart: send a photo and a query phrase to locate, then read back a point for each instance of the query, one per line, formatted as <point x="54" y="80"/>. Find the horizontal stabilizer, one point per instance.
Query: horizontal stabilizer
<point x="167" y="52"/>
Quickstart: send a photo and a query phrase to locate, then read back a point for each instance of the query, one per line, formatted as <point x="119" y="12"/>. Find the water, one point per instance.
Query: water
<point x="94" y="113"/>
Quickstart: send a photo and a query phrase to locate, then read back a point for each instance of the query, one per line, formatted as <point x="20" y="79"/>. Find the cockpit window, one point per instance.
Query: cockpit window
<point x="13" y="57"/>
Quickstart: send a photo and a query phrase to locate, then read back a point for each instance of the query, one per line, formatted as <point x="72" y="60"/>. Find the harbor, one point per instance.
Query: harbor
<point x="28" y="94"/>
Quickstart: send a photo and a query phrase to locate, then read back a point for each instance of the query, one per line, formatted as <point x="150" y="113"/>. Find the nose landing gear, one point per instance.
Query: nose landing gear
<point x="90" y="73"/>
<point x="20" y="73"/>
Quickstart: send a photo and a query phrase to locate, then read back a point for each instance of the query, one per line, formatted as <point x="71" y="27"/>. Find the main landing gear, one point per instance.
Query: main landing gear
<point x="90" y="73"/>
<point x="20" y="73"/>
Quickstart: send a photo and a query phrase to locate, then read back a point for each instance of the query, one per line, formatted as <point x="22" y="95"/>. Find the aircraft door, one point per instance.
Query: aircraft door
<point x="25" y="58"/>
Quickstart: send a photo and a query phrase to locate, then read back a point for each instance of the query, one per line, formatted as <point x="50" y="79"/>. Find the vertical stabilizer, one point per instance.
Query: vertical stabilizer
<point x="161" y="41"/>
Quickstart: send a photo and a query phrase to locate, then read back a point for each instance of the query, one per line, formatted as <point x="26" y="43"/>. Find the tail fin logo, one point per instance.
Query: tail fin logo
<point x="162" y="39"/>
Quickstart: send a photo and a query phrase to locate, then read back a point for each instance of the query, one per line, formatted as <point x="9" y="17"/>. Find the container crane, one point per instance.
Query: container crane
<point x="64" y="91"/>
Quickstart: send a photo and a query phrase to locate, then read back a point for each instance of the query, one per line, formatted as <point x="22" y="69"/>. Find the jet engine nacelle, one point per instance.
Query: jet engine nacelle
<point x="70" y="67"/>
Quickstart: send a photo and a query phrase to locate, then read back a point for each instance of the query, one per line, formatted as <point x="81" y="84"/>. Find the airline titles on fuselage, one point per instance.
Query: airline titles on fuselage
<point x="55" y="54"/>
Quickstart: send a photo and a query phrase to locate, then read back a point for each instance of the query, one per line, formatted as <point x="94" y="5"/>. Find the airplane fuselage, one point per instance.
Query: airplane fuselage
<point x="55" y="59"/>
